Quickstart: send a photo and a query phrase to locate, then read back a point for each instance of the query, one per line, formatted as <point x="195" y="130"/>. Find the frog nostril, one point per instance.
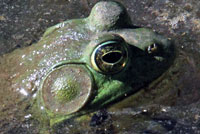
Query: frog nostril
<point x="152" y="48"/>
<point x="112" y="57"/>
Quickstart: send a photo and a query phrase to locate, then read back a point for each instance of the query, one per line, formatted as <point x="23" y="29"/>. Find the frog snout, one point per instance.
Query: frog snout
<point x="67" y="88"/>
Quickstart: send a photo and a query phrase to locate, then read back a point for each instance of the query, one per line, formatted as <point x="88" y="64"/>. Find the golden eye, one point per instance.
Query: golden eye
<point x="110" y="56"/>
<point x="152" y="48"/>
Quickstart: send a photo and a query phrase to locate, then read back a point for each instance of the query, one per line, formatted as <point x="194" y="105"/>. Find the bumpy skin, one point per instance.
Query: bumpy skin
<point x="23" y="71"/>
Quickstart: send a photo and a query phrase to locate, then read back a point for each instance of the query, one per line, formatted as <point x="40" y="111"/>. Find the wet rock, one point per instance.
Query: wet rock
<point x="99" y="118"/>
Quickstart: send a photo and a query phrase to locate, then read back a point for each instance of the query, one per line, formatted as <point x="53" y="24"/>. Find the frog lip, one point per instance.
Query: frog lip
<point x="66" y="88"/>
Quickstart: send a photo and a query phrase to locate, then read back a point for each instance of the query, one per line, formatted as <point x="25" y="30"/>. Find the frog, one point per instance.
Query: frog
<point x="82" y="65"/>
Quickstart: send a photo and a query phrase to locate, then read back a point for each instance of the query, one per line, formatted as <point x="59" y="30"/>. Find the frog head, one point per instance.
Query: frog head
<point x="114" y="60"/>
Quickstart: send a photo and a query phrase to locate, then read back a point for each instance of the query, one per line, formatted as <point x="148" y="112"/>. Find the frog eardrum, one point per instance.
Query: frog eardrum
<point x="67" y="88"/>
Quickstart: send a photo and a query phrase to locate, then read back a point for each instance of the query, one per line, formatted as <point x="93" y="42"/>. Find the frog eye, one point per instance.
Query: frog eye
<point x="153" y="48"/>
<point x="110" y="57"/>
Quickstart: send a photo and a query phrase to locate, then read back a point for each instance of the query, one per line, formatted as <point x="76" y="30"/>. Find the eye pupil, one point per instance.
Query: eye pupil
<point x="112" y="57"/>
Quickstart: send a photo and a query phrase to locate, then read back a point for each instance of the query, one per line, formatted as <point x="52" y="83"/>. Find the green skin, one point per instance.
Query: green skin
<point x="73" y="41"/>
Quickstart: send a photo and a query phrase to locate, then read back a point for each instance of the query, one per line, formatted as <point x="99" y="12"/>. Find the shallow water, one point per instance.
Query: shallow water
<point x="22" y="22"/>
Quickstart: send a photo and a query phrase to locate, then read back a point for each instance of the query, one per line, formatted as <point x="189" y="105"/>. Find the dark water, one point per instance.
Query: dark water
<point x="22" y="22"/>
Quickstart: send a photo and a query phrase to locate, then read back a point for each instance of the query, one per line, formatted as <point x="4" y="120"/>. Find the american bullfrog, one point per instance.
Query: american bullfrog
<point x="82" y="65"/>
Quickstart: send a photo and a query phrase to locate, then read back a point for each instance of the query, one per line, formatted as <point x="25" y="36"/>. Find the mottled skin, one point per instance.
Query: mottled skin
<point x="22" y="72"/>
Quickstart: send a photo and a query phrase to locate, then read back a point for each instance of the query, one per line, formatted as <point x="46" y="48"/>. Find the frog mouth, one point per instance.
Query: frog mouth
<point x="66" y="88"/>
